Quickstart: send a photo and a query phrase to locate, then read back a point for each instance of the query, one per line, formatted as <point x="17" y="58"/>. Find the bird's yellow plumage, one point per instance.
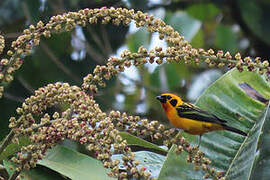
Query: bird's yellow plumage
<point x="190" y="118"/>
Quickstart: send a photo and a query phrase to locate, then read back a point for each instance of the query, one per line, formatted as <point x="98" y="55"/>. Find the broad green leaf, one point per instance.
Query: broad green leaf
<point x="176" y="167"/>
<point x="74" y="164"/>
<point x="9" y="166"/>
<point x="154" y="78"/>
<point x="203" y="11"/>
<point x="198" y="40"/>
<point x="255" y="15"/>
<point x="13" y="148"/>
<point x="151" y="161"/>
<point x="233" y="104"/>
<point x="230" y="152"/>
<point x="201" y="82"/>
<point x="39" y="172"/>
<point x="262" y="163"/>
<point x="139" y="38"/>
<point x="173" y="75"/>
<point x="174" y="72"/>
<point x="226" y="39"/>
<point x="186" y="25"/>
<point x="133" y="140"/>
<point x="130" y="100"/>
<point x="247" y="154"/>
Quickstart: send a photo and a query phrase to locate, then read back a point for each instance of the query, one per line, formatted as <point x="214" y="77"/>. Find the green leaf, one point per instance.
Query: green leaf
<point x="74" y="164"/>
<point x="198" y="40"/>
<point x="174" y="72"/>
<point x="13" y="148"/>
<point x="226" y="39"/>
<point x="246" y="156"/>
<point x="139" y="38"/>
<point x="262" y="163"/>
<point x="9" y="167"/>
<point x="241" y="111"/>
<point x="151" y="161"/>
<point x="187" y="26"/>
<point x="203" y="11"/>
<point x="39" y="172"/>
<point x="229" y="152"/>
<point x="256" y="14"/>
<point x="130" y="101"/>
<point x="176" y="167"/>
<point x="173" y="75"/>
<point x="133" y="140"/>
<point x="201" y="82"/>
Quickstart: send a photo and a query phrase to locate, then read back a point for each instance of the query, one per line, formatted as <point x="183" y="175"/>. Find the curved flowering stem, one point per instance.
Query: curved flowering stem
<point x="49" y="132"/>
<point x="99" y="138"/>
<point x="15" y="174"/>
<point x="2" y="44"/>
<point x="7" y="140"/>
<point x="84" y="121"/>
<point x="67" y="22"/>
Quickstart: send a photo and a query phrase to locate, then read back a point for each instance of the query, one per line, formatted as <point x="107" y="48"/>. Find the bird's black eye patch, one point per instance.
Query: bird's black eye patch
<point x="163" y="99"/>
<point x="169" y="97"/>
<point x="173" y="102"/>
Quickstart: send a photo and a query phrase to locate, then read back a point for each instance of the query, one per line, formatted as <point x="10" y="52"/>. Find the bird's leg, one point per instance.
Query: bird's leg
<point x="200" y="138"/>
<point x="177" y="129"/>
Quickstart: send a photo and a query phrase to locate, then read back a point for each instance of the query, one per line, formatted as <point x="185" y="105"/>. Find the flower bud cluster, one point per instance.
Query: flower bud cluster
<point x="171" y="54"/>
<point x="2" y="43"/>
<point x="179" y="49"/>
<point x="139" y="127"/>
<point x="196" y="157"/>
<point x="83" y="120"/>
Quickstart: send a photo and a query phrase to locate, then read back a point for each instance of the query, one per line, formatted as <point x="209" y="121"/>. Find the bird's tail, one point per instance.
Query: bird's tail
<point x="235" y="130"/>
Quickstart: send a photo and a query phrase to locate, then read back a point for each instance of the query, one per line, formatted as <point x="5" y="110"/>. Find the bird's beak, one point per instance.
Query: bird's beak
<point x="158" y="98"/>
<point x="161" y="99"/>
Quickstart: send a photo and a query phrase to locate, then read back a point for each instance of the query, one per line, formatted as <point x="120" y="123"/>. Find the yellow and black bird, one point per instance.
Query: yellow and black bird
<point x="191" y="118"/>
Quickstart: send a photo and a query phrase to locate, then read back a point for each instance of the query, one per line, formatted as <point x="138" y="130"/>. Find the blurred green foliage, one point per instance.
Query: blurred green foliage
<point x="234" y="26"/>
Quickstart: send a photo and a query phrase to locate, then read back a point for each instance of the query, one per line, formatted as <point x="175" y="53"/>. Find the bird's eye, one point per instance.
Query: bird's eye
<point x="169" y="97"/>
<point x="173" y="102"/>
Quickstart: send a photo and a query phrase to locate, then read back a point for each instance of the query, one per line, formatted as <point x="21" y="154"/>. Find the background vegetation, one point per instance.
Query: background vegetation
<point x="234" y="26"/>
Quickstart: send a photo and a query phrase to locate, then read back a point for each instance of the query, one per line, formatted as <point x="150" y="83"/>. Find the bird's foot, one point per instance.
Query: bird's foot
<point x="177" y="129"/>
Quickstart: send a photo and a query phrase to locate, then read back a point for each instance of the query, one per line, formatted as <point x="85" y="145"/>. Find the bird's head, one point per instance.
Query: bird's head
<point x="169" y="100"/>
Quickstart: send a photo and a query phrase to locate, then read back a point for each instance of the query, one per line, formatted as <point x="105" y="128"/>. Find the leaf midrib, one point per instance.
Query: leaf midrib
<point x="264" y="118"/>
<point x="241" y="147"/>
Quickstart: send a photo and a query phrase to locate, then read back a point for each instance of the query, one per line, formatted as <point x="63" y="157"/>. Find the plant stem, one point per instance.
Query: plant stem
<point x="14" y="175"/>
<point x="69" y="116"/>
<point x="7" y="141"/>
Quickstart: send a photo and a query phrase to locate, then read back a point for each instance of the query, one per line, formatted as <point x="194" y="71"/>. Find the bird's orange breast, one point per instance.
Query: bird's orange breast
<point x="194" y="127"/>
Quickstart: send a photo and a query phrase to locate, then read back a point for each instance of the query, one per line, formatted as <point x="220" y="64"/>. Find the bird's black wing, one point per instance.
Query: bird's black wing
<point x="190" y="111"/>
